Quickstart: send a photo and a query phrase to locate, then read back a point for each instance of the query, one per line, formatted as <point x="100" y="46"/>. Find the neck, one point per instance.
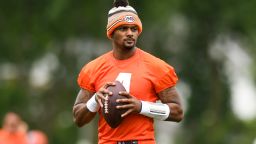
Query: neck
<point x="123" y="53"/>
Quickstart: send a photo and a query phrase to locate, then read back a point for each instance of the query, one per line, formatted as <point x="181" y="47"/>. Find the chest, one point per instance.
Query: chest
<point x="136" y="79"/>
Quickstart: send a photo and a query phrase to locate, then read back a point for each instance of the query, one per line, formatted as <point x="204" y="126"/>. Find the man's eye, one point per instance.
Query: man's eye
<point x="134" y="29"/>
<point x="121" y="28"/>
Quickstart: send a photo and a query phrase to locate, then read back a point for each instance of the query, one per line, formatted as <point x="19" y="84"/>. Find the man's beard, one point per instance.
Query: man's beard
<point x="129" y="46"/>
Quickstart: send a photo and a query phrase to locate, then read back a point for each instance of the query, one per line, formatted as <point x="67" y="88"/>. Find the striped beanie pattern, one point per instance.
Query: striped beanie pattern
<point x="122" y="14"/>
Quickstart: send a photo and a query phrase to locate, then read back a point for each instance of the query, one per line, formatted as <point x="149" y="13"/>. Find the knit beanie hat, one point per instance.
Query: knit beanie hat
<point x="122" y="14"/>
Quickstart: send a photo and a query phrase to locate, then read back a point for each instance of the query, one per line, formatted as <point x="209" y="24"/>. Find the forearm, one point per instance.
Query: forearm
<point x="171" y="97"/>
<point x="88" y="104"/>
<point x="168" y="110"/>
<point x="162" y="111"/>
<point x="82" y="115"/>
<point x="85" y="107"/>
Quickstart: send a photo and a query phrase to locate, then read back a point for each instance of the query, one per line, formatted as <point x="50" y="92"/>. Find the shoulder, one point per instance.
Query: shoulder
<point x="159" y="72"/>
<point x="154" y="62"/>
<point x="91" y="70"/>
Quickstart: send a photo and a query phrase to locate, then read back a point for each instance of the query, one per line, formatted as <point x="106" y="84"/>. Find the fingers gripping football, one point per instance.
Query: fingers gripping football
<point x="130" y="103"/>
<point x="103" y="91"/>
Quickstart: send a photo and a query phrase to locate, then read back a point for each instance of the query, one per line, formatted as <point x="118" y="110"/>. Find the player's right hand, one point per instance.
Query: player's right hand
<point x="102" y="92"/>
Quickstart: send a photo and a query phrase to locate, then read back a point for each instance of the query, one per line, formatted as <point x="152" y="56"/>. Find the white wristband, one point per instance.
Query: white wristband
<point x="158" y="111"/>
<point x="92" y="104"/>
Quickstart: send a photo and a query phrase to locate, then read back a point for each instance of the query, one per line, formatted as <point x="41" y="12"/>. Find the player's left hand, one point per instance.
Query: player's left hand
<point x="132" y="104"/>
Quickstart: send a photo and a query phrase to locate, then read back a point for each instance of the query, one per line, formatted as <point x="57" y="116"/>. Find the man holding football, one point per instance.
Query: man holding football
<point x="146" y="79"/>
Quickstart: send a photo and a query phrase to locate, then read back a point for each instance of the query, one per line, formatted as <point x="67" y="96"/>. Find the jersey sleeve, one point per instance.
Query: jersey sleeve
<point x="84" y="79"/>
<point x="166" y="78"/>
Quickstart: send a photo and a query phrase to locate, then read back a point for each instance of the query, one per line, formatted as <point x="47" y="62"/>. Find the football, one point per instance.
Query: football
<point x="109" y="111"/>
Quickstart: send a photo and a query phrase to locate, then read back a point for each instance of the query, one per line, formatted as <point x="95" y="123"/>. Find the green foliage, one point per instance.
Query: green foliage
<point x="30" y="29"/>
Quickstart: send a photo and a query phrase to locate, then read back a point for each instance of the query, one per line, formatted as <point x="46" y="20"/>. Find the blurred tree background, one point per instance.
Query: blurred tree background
<point x="211" y="44"/>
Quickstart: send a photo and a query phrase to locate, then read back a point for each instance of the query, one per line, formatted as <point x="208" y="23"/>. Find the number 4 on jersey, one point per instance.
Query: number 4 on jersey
<point x="125" y="79"/>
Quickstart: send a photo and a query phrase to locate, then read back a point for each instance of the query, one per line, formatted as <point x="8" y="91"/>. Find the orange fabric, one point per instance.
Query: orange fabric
<point x="12" y="138"/>
<point x="149" y="76"/>
<point x="139" y="142"/>
<point x="120" y="19"/>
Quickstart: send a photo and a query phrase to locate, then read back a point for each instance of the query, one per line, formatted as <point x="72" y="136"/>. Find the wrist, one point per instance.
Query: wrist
<point x="158" y="111"/>
<point x="92" y="105"/>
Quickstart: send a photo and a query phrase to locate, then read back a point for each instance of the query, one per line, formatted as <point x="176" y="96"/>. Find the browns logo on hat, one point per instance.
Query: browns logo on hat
<point x="122" y="14"/>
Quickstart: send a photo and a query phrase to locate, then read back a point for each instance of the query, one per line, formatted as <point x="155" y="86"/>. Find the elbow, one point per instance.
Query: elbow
<point x="179" y="116"/>
<point x="82" y="117"/>
<point x="78" y="117"/>
<point x="176" y="115"/>
<point x="78" y="124"/>
<point x="78" y="120"/>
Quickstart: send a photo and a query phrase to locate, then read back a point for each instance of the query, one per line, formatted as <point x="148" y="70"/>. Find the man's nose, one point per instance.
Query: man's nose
<point x="129" y="32"/>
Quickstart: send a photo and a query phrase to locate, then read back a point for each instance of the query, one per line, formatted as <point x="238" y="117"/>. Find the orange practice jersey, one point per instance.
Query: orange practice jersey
<point x="12" y="138"/>
<point x="143" y="75"/>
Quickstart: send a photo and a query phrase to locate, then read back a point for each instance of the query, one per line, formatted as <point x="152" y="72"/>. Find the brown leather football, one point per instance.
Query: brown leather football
<point x="109" y="111"/>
